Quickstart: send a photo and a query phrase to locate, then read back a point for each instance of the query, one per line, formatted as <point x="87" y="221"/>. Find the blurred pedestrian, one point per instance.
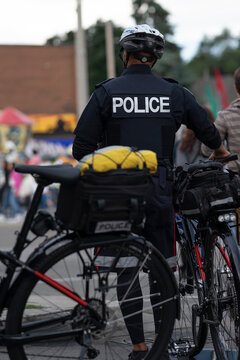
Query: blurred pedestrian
<point x="35" y="158"/>
<point x="188" y="149"/>
<point x="11" y="209"/>
<point x="228" y="124"/>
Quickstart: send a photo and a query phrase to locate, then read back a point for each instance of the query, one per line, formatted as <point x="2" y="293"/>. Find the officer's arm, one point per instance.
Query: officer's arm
<point x="80" y="148"/>
<point x="89" y="129"/>
<point x="196" y="119"/>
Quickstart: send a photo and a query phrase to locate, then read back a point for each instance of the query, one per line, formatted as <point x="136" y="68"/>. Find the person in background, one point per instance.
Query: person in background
<point x="228" y="124"/>
<point x="11" y="209"/>
<point x="144" y="111"/>
<point x="188" y="149"/>
<point x="35" y="159"/>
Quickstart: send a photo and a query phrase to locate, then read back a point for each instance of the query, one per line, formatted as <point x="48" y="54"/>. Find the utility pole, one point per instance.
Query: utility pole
<point x="82" y="93"/>
<point x="110" y="56"/>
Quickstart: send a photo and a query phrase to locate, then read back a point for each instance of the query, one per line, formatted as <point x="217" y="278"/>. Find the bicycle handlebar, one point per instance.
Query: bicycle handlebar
<point x="228" y="158"/>
<point x="212" y="164"/>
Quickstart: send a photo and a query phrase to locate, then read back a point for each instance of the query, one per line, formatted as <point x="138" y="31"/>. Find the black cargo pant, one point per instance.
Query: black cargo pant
<point x="159" y="224"/>
<point x="159" y="230"/>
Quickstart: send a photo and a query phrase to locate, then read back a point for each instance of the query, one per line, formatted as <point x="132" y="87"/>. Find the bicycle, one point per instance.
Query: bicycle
<point x="190" y="331"/>
<point x="209" y="286"/>
<point x="62" y="295"/>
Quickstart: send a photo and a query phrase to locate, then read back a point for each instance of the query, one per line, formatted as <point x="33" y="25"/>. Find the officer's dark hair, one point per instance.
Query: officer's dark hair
<point x="237" y="79"/>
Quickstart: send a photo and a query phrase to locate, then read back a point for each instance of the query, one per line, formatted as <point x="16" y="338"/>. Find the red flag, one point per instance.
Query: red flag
<point x="221" y="88"/>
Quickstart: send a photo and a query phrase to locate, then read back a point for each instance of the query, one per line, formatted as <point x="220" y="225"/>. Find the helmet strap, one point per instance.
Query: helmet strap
<point x="154" y="63"/>
<point x="125" y="63"/>
<point x="121" y="57"/>
<point x="121" y="53"/>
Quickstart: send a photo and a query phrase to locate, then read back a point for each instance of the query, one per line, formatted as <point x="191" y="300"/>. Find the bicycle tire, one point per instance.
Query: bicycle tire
<point x="190" y="331"/>
<point x="113" y="341"/>
<point x="224" y="294"/>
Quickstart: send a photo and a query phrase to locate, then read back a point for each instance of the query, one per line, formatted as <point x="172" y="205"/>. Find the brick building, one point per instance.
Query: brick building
<point x="37" y="79"/>
<point x="40" y="82"/>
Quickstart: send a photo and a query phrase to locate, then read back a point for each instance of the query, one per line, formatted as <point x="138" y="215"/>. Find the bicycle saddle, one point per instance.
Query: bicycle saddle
<point x="64" y="173"/>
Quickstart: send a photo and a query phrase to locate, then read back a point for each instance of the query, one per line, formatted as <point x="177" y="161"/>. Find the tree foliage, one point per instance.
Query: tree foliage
<point x="97" y="53"/>
<point x="221" y="51"/>
<point x="58" y="40"/>
<point x="152" y="13"/>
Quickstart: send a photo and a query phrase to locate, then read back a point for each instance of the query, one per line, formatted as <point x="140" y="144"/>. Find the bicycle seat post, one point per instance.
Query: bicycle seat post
<point x="22" y="235"/>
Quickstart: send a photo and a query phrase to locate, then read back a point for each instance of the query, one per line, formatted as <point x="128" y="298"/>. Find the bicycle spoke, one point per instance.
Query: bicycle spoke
<point x="225" y="302"/>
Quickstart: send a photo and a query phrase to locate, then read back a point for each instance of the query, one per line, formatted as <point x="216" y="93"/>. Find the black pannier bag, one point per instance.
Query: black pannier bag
<point x="103" y="201"/>
<point x="202" y="191"/>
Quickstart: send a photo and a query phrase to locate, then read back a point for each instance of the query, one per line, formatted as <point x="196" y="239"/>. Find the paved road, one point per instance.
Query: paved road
<point x="7" y="241"/>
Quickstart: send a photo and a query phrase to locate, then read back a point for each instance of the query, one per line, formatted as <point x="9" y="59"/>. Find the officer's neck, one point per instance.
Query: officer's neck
<point x="133" y="61"/>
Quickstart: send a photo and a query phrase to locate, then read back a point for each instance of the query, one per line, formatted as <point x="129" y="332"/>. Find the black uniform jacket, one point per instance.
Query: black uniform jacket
<point x="141" y="110"/>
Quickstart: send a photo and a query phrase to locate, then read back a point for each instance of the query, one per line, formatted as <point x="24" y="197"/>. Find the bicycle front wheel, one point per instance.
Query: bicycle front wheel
<point x="224" y="295"/>
<point x="43" y="323"/>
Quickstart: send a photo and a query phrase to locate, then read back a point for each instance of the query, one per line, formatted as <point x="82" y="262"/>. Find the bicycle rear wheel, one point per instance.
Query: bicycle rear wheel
<point x="37" y="313"/>
<point x="224" y="295"/>
<point x="190" y="330"/>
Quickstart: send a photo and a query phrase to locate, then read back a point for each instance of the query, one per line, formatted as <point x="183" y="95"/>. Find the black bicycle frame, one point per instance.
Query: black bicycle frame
<point x="193" y="248"/>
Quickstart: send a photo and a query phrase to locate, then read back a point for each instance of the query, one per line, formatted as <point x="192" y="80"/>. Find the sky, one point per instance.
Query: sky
<point x="33" y="21"/>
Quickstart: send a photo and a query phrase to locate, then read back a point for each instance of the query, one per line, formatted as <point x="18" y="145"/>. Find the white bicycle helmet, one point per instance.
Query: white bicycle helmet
<point x="143" y="38"/>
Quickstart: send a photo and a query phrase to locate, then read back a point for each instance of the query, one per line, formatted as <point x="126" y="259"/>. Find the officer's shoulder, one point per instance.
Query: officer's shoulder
<point x="187" y="91"/>
<point x="103" y="83"/>
<point x="170" y="80"/>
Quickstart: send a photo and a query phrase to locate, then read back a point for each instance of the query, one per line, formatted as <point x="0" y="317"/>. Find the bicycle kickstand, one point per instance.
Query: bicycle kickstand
<point x="86" y="348"/>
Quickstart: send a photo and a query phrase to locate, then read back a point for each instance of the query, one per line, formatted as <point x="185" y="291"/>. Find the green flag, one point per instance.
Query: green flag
<point x="212" y="100"/>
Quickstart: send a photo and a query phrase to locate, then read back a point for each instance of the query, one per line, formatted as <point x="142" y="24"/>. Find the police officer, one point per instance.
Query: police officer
<point x="142" y="110"/>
